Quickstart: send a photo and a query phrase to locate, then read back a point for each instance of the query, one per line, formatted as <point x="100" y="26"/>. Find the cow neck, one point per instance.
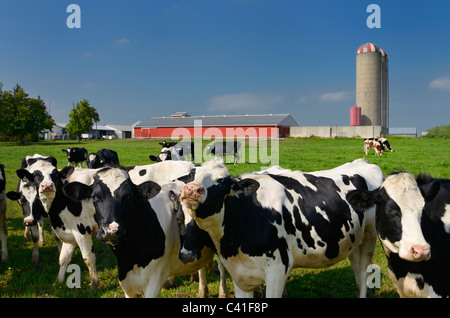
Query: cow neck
<point x="143" y="241"/>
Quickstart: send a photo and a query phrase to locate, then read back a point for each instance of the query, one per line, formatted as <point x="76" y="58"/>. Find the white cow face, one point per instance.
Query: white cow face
<point x="398" y="215"/>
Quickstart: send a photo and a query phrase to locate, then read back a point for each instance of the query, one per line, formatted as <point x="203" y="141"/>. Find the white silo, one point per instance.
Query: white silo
<point x="372" y="93"/>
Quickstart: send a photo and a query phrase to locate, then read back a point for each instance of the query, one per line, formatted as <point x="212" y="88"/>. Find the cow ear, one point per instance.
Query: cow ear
<point x="77" y="191"/>
<point x="52" y="160"/>
<point x="67" y="171"/>
<point x="430" y="190"/>
<point x="189" y="177"/>
<point x="24" y="175"/>
<point x="149" y="189"/>
<point x="174" y="198"/>
<point x="13" y="195"/>
<point x="248" y="186"/>
<point x="152" y="158"/>
<point x="362" y="199"/>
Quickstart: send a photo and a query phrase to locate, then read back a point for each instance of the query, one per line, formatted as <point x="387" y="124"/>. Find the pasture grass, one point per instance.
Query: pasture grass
<point x="23" y="279"/>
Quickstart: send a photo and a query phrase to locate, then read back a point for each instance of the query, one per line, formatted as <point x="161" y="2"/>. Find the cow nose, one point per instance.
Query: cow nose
<point x="420" y="253"/>
<point x="187" y="256"/>
<point x="193" y="190"/>
<point x="29" y="221"/>
<point x="47" y="187"/>
<point x="108" y="234"/>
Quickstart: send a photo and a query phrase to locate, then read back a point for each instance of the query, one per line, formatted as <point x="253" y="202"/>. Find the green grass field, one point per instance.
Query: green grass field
<point x="21" y="278"/>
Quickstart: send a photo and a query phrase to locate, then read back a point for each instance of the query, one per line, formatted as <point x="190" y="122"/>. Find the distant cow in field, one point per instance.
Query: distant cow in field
<point x="224" y="148"/>
<point x="175" y="151"/>
<point x="3" y="227"/>
<point x="76" y="156"/>
<point x="413" y="224"/>
<point x="103" y="158"/>
<point x="375" y="144"/>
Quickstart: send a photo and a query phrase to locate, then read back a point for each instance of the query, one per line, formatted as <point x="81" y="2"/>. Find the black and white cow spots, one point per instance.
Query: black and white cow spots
<point x="264" y="224"/>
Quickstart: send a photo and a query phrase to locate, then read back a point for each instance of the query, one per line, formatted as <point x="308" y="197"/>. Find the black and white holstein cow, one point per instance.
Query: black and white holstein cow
<point x="224" y="148"/>
<point x="76" y="156"/>
<point x="413" y="224"/>
<point x="175" y="151"/>
<point x="40" y="194"/>
<point x="167" y="172"/>
<point x="103" y="158"/>
<point x="27" y="196"/>
<point x="137" y="219"/>
<point x="3" y="225"/>
<point x="378" y="144"/>
<point x="264" y="224"/>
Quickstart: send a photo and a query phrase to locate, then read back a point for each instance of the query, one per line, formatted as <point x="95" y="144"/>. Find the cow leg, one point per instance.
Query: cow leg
<point x="64" y="259"/>
<point x="26" y="233"/>
<point x="57" y="240"/>
<point x="3" y="232"/>
<point x="239" y="293"/>
<point x="202" y="283"/>
<point x="35" y="236"/>
<point x="223" y="290"/>
<point x="275" y="281"/>
<point x="3" y="238"/>
<point x="155" y="282"/>
<point x="361" y="258"/>
<point x="86" y="246"/>
<point x="41" y="239"/>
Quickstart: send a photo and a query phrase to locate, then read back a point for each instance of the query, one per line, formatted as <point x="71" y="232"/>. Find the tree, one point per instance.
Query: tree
<point x="82" y="118"/>
<point x="21" y="116"/>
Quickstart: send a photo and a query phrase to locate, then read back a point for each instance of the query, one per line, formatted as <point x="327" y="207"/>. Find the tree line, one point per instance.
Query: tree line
<point x="22" y="118"/>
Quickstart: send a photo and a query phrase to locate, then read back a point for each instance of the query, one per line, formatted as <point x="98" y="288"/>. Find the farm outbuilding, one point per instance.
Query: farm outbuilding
<point x="183" y="124"/>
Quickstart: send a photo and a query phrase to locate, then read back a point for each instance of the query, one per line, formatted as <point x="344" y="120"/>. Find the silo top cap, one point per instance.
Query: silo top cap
<point x="370" y="47"/>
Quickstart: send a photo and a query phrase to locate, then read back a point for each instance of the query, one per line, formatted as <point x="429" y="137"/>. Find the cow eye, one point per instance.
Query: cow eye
<point x="95" y="198"/>
<point x="392" y="212"/>
<point x="221" y="180"/>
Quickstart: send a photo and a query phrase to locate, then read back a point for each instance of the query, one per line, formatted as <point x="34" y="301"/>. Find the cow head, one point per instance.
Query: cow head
<point x="399" y="204"/>
<point x="207" y="186"/>
<point x="115" y="198"/>
<point x="203" y="197"/>
<point x="27" y="197"/>
<point x="193" y="239"/>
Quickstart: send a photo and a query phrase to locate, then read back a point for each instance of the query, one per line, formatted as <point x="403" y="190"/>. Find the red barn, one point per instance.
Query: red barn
<point x="184" y="125"/>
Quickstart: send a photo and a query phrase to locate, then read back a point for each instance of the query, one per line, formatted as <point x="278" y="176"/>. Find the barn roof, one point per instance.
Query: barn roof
<point x="221" y="121"/>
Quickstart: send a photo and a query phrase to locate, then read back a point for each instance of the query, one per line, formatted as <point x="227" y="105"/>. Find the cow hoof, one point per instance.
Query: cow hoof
<point x="94" y="285"/>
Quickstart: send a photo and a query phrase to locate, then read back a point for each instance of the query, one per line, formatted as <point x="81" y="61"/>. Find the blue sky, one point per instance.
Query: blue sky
<point x="137" y="59"/>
